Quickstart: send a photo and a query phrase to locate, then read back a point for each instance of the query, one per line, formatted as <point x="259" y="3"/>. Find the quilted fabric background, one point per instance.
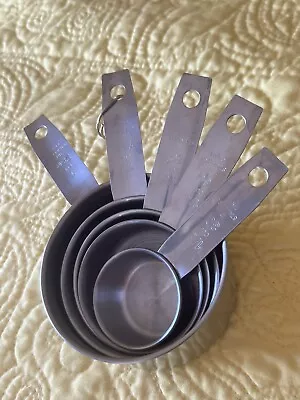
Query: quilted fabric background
<point x="53" y="54"/>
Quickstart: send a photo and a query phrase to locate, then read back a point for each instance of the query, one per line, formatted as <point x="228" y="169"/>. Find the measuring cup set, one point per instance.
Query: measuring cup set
<point x="138" y="265"/>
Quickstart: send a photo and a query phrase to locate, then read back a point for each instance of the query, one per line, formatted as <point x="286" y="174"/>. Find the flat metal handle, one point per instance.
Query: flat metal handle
<point x="179" y="141"/>
<point x="70" y="174"/>
<point x="223" y="211"/>
<point x="213" y="162"/>
<point x="123" y="138"/>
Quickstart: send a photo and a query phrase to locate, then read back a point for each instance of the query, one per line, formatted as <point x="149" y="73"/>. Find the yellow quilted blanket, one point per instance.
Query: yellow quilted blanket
<point x="53" y="54"/>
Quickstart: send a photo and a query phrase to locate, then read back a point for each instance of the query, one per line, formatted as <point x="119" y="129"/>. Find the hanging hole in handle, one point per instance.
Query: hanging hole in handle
<point x="117" y="92"/>
<point x="236" y="123"/>
<point x="191" y="98"/>
<point x="41" y="132"/>
<point x="258" y="176"/>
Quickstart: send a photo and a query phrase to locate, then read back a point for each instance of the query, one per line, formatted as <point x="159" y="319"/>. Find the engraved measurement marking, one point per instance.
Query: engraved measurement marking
<point x="211" y="160"/>
<point x="127" y="155"/>
<point x="63" y="159"/>
<point x="183" y="140"/>
<point x="214" y="224"/>
<point x="215" y="160"/>
<point x="175" y="162"/>
<point x="174" y="158"/>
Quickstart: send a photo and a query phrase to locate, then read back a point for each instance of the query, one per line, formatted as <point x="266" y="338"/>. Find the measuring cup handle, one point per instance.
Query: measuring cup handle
<point x="222" y="212"/>
<point x="179" y="141"/>
<point x="123" y="137"/>
<point x="67" y="170"/>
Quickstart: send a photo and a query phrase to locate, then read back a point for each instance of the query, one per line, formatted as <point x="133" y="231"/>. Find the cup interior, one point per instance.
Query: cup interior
<point x="137" y="298"/>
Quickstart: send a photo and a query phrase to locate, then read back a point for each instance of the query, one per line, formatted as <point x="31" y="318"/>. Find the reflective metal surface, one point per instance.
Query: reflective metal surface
<point x="67" y="170"/>
<point x="198" y="310"/>
<point x="123" y="138"/>
<point x="212" y="163"/>
<point x="126" y="235"/>
<point x="179" y="141"/>
<point x="124" y="299"/>
<point x="221" y="213"/>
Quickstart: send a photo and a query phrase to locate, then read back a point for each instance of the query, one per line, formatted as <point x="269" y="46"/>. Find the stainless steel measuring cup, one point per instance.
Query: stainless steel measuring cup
<point x="62" y="153"/>
<point x="131" y="234"/>
<point x="50" y="275"/>
<point x="167" y="170"/>
<point x="87" y="201"/>
<point x="65" y="230"/>
<point x="139" y="276"/>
